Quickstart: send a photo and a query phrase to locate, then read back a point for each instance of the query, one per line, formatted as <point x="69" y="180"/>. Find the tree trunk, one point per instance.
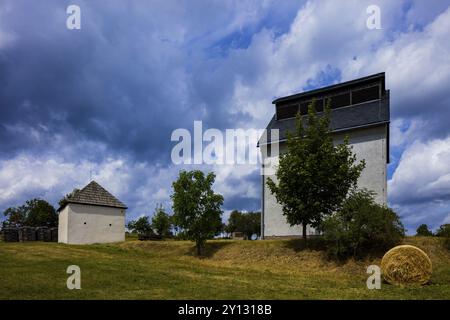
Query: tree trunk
<point x="199" y="249"/>
<point x="304" y="232"/>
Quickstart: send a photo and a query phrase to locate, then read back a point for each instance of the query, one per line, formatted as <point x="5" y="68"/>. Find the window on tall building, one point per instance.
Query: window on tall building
<point x="366" y="94"/>
<point x="287" y="111"/>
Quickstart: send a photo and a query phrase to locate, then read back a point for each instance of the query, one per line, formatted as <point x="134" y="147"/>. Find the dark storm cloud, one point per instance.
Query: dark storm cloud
<point x="117" y="89"/>
<point x="119" y="80"/>
<point x="243" y="201"/>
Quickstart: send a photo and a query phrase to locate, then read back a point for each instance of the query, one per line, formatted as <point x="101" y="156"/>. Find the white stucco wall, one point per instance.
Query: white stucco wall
<point x="88" y="224"/>
<point x="62" y="225"/>
<point x="368" y="144"/>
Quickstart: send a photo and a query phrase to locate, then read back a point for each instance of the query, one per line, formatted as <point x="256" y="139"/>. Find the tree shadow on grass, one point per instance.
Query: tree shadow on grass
<point x="315" y="244"/>
<point x="209" y="250"/>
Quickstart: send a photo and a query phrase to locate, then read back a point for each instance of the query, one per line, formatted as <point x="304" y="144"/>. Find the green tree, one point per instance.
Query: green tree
<point x="15" y="217"/>
<point x="443" y="231"/>
<point x="141" y="225"/>
<point x="234" y="221"/>
<point x="252" y="224"/>
<point x="161" y="222"/>
<point x="34" y="213"/>
<point x="314" y="176"/>
<point x="423" y="231"/>
<point x="248" y="223"/>
<point x="361" y="226"/>
<point x="196" y="207"/>
<point x="66" y="198"/>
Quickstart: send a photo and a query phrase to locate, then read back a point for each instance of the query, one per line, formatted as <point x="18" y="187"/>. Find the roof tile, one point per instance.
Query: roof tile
<point x="95" y="194"/>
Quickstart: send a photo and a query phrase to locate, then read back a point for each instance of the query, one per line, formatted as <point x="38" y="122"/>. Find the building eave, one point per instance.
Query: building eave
<point x="338" y="86"/>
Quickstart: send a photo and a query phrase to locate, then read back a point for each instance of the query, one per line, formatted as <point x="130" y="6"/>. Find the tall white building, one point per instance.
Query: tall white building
<point x="360" y="109"/>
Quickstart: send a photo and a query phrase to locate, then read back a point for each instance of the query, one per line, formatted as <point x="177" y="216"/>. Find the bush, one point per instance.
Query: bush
<point x="423" y="231"/>
<point x="447" y="243"/>
<point x="141" y="225"/>
<point x="361" y="227"/>
<point x="444" y="231"/>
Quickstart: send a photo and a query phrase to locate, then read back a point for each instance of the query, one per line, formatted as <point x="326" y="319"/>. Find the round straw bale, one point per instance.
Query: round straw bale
<point x="405" y="264"/>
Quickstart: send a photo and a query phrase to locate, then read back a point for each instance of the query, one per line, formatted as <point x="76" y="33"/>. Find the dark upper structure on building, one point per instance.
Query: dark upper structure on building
<point x="358" y="103"/>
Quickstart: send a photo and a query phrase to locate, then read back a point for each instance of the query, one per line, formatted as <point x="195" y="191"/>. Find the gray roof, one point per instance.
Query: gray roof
<point x="95" y="194"/>
<point x="342" y="119"/>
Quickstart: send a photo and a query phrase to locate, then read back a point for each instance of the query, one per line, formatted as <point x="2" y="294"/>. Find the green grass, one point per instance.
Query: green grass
<point x="271" y="269"/>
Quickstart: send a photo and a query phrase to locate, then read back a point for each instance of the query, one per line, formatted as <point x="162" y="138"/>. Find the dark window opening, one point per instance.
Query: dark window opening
<point x="305" y="105"/>
<point x="341" y="100"/>
<point x="85" y="223"/>
<point x="367" y="94"/>
<point x="304" y="108"/>
<point x="319" y="105"/>
<point x="110" y="224"/>
<point x="285" y="112"/>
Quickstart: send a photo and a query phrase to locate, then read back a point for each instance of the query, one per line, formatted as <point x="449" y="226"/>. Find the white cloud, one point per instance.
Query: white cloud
<point x="419" y="189"/>
<point x="138" y="185"/>
<point x="416" y="62"/>
<point x="404" y="132"/>
<point x="447" y="219"/>
<point x="423" y="173"/>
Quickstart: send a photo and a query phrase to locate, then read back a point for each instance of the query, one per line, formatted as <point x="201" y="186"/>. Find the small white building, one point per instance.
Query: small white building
<point x="91" y="215"/>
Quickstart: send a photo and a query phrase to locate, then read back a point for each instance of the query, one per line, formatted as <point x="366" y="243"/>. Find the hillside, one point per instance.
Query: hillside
<point x="271" y="269"/>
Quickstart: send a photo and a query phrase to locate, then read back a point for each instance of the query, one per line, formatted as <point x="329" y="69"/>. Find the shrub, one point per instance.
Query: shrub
<point x="361" y="226"/>
<point x="444" y="231"/>
<point x="141" y="225"/>
<point x="161" y="222"/>
<point x="447" y="243"/>
<point x="423" y="231"/>
<point x="249" y="223"/>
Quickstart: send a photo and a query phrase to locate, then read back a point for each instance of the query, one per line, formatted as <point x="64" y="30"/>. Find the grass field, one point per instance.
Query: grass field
<point x="271" y="269"/>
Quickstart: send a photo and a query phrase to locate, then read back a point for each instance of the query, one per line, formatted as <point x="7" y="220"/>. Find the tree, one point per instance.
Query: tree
<point x="196" y="207"/>
<point x="361" y="226"/>
<point x="423" y="231"/>
<point x="34" y="213"/>
<point x="234" y="221"/>
<point x="161" y="222"/>
<point x="248" y="223"/>
<point x="66" y="198"/>
<point x="141" y="225"/>
<point x="314" y="176"/>
<point x="443" y="231"/>
<point x="15" y="217"/>
<point x="252" y="224"/>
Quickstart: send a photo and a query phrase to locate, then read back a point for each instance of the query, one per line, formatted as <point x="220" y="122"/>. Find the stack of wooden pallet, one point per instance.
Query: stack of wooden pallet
<point x="10" y="235"/>
<point x="54" y="234"/>
<point x="27" y="234"/>
<point x="43" y="234"/>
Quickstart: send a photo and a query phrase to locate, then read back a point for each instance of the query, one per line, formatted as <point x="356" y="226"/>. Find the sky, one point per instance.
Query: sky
<point x="101" y="102"/>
